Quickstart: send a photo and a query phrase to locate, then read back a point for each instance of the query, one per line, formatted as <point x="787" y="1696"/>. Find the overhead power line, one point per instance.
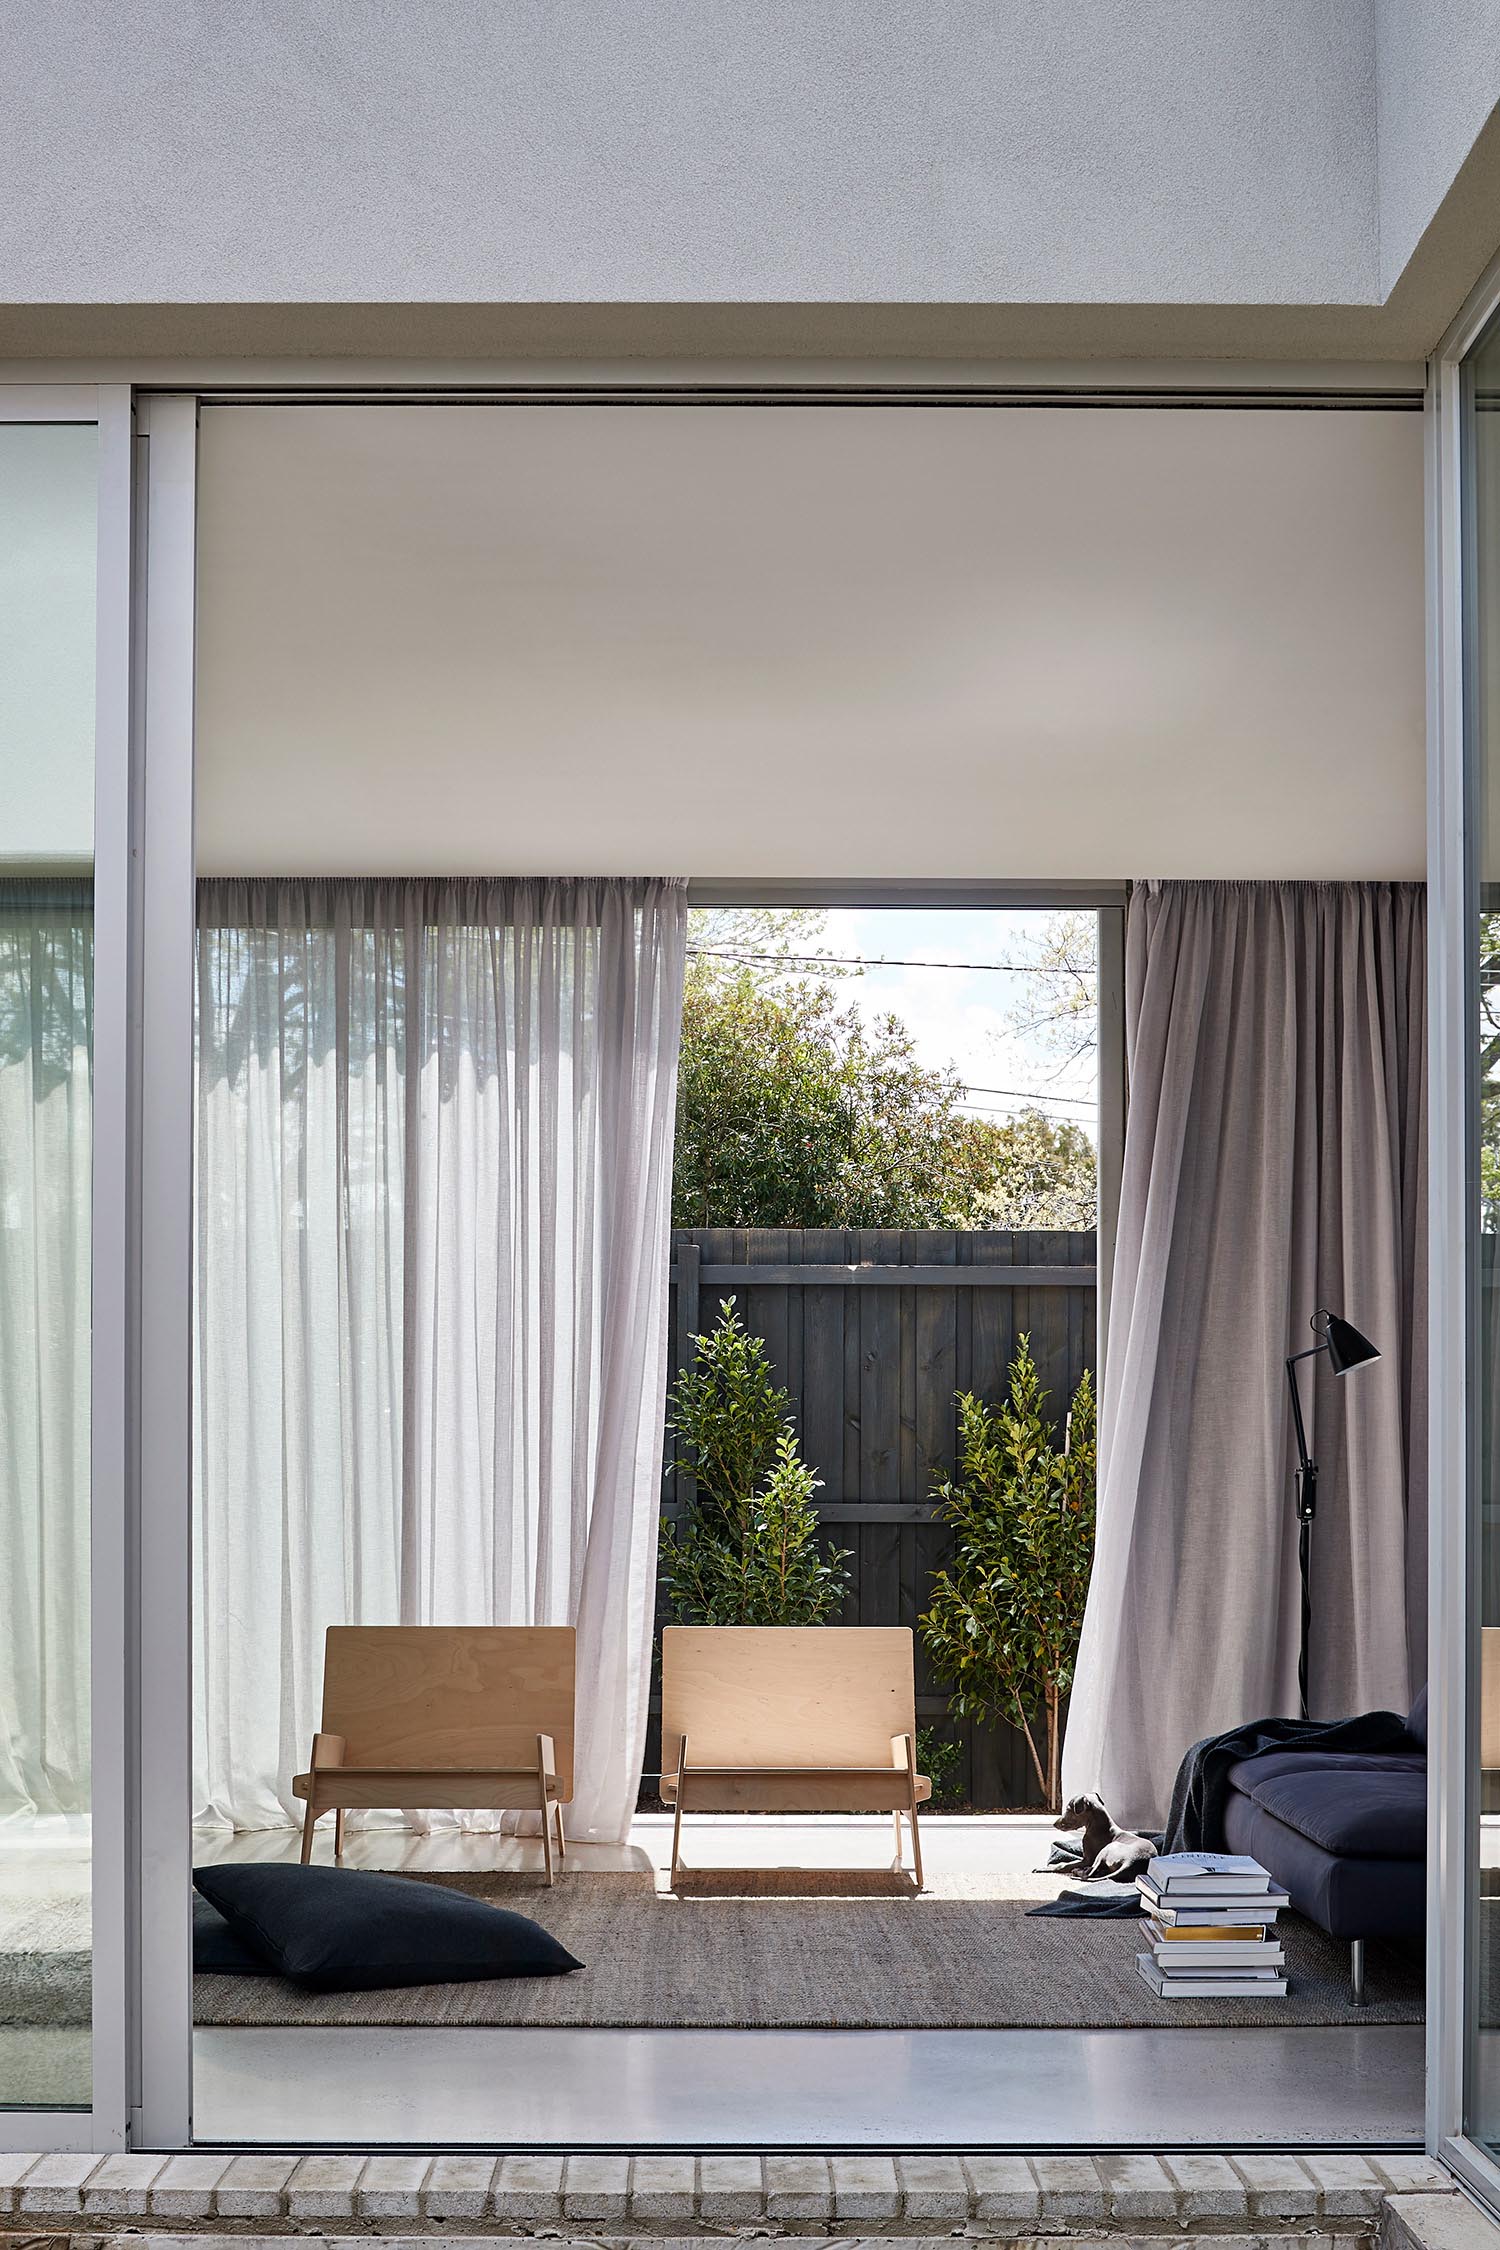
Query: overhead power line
<point x="1025" y="1094"/>
<point x="863" y="961"/>
<point x="983" y="1111"/>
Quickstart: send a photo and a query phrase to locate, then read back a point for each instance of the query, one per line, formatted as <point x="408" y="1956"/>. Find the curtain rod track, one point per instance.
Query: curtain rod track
<point x="954" y="397"/>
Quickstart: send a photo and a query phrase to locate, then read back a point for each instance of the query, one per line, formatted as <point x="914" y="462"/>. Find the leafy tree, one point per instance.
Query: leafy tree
<point x="1007" y="1613"/>
<point x="1030" y="1172"/>
<point x="1061" y="1007"/>
<point x="749" y="1552"/>
<point x="769" y="944"/>
<point x="794" y="1113"/>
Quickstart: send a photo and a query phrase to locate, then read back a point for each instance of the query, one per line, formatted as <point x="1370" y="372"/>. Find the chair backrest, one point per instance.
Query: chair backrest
<point x="1489" y="1698"/>
<point x="786" y="1695"/>
<point x="462" y="1698"/>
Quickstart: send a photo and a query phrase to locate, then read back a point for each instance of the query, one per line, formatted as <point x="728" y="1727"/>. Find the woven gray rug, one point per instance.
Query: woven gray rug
<point x="45" y="1968"/>
<point x="822" y="1962"/>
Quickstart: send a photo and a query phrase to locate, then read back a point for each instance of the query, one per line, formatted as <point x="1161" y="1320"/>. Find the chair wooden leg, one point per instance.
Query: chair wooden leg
<point x="547" y="1838"/>
<point x="309" y="1819"/>
<point x="338" y="1837"/>
<point x="896" y="1824"/>
<point x="677" y="1812"/>
<point x="909" y="1760"/>
<point x="916" y="1844"/>
<point x="562" y="1841"/>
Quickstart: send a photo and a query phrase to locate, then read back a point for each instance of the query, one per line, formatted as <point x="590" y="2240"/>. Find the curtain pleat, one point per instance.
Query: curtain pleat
<point x="1275" y="1162"/>
<point x="434" y="1151"/>
<point x="46" y="1116"/>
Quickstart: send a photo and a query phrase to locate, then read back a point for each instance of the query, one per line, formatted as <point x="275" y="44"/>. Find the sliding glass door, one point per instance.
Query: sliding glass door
<point x="48" y="564"/>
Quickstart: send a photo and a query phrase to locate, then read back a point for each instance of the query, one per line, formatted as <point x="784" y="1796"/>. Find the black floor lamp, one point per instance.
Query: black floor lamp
<point x="1346" y="1348"/>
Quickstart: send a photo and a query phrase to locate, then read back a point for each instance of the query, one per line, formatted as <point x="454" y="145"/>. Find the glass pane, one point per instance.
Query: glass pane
<point x="48" y="478"/>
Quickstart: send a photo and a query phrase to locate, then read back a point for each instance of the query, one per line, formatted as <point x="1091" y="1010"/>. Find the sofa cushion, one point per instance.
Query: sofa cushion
<point x="1248" y="1775"/>
<point x="338" y="1929"/>
<point x="1354" y="1815"/>
<point x="1350" y="1898"/>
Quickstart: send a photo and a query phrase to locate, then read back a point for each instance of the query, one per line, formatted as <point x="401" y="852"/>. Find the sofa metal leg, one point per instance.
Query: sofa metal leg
<point x="1357" y="1972"/>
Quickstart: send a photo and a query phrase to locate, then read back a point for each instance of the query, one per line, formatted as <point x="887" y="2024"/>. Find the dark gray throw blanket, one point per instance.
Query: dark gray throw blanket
<point x="1075" y="1905"/>
<point x="1200" y="1793"/>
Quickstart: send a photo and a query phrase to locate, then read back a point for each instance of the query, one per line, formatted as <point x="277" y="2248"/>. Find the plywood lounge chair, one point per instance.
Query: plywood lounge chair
<point x="790" y="1718"/>
<point x="447" y="1717"/>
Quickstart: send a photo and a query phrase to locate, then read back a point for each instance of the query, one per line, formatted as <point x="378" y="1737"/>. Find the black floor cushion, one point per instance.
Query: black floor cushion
<point x="337" y="1929"/>
<point x="216" y="1949"/>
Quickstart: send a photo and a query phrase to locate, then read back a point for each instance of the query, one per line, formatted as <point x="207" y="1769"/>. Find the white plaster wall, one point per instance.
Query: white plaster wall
<point x="803" y="641"/>
<point x="1439" y="79"/>
<point x="390" y="151"/>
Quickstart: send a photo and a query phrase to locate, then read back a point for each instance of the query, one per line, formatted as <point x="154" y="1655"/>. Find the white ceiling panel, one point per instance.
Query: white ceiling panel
<point x="837" y="641"/>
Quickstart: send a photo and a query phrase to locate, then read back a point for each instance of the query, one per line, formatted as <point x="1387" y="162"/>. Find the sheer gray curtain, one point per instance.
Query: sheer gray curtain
<point x="433" y="1202"/>
<point x="46" y="1016"/>
<point x="1275" y="1161"/>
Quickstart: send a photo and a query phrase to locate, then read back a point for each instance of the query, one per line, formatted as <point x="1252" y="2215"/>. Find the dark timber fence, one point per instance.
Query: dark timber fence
<point x="872" y="1331"/>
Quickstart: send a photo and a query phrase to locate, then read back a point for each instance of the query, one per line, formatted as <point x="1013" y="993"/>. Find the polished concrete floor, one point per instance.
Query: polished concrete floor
<point x="703" y="2089"/>
<point x="829" y="2089"/>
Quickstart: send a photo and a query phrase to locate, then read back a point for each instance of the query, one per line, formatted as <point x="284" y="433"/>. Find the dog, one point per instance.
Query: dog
<point x="1107" y="1854"/>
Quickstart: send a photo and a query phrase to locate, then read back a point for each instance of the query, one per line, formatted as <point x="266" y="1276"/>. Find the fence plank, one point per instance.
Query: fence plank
<point x="822" y="1417"/>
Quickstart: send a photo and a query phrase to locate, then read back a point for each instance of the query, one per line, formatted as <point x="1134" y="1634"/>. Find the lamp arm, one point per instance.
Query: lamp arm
<point x="1304" y="1457"/>
<point x="1307" y="1470"/>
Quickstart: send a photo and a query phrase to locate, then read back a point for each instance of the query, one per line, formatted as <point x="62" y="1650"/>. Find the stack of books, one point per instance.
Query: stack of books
<point x="1210" y="1918"/>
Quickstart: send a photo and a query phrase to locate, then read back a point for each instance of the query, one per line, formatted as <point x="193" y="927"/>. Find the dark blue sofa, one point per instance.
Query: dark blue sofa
<point x="1345" y="1836"/>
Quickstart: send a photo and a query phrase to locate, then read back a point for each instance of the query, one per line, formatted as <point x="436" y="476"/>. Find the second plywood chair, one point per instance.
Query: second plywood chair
<point x="790" y="1718"/>
<point x="444" y="1717"/>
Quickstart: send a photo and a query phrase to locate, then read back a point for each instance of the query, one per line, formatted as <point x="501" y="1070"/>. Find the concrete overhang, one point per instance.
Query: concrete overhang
<point x="1295" y="180"/>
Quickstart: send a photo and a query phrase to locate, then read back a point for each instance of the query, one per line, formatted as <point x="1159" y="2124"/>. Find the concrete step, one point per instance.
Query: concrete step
<point x="658" y="2195"/>
<point x="1302" y="2239"/>
<point x="1435" y="2222"/>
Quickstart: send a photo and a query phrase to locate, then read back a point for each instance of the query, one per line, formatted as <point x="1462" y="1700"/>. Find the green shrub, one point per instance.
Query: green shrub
<point x="748" y="1553"/>
<point x="942" y="1761"/>
<point x="1006" y="1614"/>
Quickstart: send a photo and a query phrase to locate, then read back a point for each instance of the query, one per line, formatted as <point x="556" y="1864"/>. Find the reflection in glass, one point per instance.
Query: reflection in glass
<point x="47" y="573"/>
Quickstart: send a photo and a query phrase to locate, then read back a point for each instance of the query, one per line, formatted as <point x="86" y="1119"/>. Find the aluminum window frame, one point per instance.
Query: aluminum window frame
<point x="104" y="2123"/>
<point x="145" y="874"/>
<point x="164" y="2116"/>
<point x="1453" y="892"/>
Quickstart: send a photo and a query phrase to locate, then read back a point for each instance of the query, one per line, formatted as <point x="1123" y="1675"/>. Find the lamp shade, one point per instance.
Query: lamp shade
<point x="1346" y="1347"/>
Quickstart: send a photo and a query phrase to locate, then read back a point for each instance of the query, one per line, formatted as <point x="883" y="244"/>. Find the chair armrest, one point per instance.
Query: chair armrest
<point x="903" y="1753"/>
<point x="546" y="1755"/>
<point x="327" y="1750"/>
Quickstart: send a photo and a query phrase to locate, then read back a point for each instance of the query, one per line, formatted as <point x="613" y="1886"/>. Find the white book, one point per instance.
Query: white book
<point x="1190" y="1902"/>
<point x="1189" y="1958"/>
<point x="1233" y="1872"/>
<point x="1196" y="1914"/>
<point x="1209" y="1986"/>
